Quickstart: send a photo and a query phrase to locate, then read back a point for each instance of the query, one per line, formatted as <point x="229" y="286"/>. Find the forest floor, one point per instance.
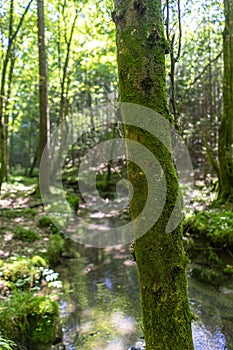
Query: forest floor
<point x="22" y="234"/>
<point x="26" y="277"/>
<point x="20" y="212"/>
<point x="208" y="234"/>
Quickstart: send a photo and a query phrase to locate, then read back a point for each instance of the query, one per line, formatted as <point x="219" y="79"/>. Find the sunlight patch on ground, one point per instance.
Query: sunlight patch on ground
<point x="15" y="195"/>
<point x="8" y="236"/>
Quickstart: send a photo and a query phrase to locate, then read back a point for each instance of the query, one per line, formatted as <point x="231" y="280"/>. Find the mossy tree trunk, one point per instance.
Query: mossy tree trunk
<point x="160" y="256"/>
<point x="225" y="144"/>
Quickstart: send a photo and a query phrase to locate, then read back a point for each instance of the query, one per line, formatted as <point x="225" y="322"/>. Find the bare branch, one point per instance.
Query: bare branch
<point x="21" y="21"/>
<point x="11" y="19"/>
<point x="180" y="32"/>
<point x="167" y="20"/>
<point x="205" y="68"/>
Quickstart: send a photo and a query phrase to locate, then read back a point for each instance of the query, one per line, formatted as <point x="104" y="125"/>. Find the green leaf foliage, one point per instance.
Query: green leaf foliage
<point x="215" y="226"/>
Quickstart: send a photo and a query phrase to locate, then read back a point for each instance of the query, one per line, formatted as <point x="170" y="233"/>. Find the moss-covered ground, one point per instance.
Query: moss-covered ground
<point x="208" y="236"/>
<point x="29" y="246"/>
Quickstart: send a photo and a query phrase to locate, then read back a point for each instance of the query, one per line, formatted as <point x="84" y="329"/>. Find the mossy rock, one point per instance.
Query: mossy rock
<point x="31" y="321"/>
<point x="13" y="315"/>
<point x="43" y="321"/>
<point x="55" y="248"/>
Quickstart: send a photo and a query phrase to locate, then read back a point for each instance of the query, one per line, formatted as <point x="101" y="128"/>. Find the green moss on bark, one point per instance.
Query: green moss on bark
<point x="160" y="256"/>
<point x="141" y="43"/>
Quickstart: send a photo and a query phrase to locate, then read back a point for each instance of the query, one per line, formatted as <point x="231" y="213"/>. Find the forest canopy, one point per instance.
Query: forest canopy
<point x="82" y="71"/>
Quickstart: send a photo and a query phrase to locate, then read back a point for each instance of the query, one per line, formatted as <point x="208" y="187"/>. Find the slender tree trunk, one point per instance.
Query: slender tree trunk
<point x="64" y="80"/>
<point x="6" y="114"/>
<point x="43" y="89"/>
<point x="3" y="138"/>
<point x="225" y="144"/>
<point x="3" y="99"/>
<point x="44" y="135"/>
<point x="174" y="57"/>
<point x="12" y="36"/>
<point x="2" y="159"/>
<point x="30" y="174"/>
<point x="160" y="256"/>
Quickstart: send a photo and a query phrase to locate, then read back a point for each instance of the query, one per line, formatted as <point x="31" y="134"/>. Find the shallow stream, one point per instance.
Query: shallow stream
<point x="101" y="311"/>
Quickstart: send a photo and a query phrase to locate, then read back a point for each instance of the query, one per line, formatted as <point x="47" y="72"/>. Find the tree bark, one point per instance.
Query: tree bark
<point x="64" y="81"/>
<point x="160" y="256"/>
<point x="225" y="143"/>
<point x="43" y="81"/>
<point x="174" y="58"/>
<point x="12" y="36"/>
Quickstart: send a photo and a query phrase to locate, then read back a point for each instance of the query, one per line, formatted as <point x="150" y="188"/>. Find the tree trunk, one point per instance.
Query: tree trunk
<point x="6" y="114"/>
<point x="3" y="100"/>
<point x="160" y="256"/>
<point x="64" y="81"/>
<point x="225" y="143"/>
<point x="43" y="89"/>
<point x="12" y="36"/>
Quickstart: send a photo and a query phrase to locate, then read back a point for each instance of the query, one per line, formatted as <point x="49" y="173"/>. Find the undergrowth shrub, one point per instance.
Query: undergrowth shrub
<point x="213" y="225"/>
<point x="46" y="222"/>
<point x="25" y="235"/>
<point x="55" y="248"/>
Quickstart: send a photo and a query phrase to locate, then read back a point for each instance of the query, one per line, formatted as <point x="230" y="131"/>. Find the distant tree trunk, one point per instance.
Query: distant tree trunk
<point x="43" y="81"/>
<point x="6" y="114"/>
<point x="3" y="100"/>
<point x="174" y="57"/>
<point x="44" y="135"/>
<point x="225" y="144"/>
<point x="12" y="35"/>
<point x="2" y="154"/>
<point x="160" y="256"/>
<point x="64" y="78"/>
<point x="30" y="174"/>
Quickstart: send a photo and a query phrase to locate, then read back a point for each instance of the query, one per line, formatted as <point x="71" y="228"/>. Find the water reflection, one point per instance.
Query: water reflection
<point x="101" y="311"/>
<point x="214" y="309"/>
